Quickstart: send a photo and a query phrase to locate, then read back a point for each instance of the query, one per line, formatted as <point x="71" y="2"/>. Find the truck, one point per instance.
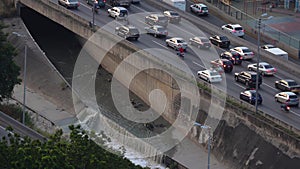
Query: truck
<point x="123" y="3"/>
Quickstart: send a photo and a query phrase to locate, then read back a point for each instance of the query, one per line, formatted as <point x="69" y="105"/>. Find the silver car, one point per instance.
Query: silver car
<point x="157" y="30"/>
<point x="288" y="98"/>
<point x="200" y="42"/>
<point x="156" y="19"/>
<point x="173" y="16"/>
<point x="176" y="43"/>
<point x="69" y="3"/>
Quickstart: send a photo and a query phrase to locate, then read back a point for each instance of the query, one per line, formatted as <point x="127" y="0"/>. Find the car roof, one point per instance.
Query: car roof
<point x="264" y="63"/>
<point x="202" y="5"/>
<point x="224" y="60"/>
<point x="177" y="38"/>
<point x="235" y="25"/>
<point x="289" y="93"/>
<point x="130" y="26"/>
<point x="121" y="8"/>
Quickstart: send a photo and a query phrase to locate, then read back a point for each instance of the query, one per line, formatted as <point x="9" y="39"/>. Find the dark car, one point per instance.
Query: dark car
<point x="287" y="85"/>
<point x="221" y="41"/>
<point x="128" y="32"/>
<point x="233" y="56"/>
<point x="250" y="96"/>
<point x="98" y="3"/>
<point x="248" y="78"/>
<point x="224" y="63"/>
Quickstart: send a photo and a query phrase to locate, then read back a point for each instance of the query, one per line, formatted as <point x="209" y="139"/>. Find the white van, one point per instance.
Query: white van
<point x="276" y="51"/>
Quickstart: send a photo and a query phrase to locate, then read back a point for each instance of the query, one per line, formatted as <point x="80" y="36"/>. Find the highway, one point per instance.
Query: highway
<point x="196" y="59"/>
<point x="18" y="127"/>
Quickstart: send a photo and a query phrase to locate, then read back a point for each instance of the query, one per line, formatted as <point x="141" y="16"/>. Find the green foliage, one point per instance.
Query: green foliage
<point x="79" y="152"/>
<point x="15" y="111"/>
<point x="9" y="71"/>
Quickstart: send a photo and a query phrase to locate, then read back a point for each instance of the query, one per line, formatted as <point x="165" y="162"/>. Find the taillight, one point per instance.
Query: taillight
<point x="288" y="100"/>
<point x="288" y="107"/>
<point x="200" y="10"/>
<point x="243" y="30"/>
<point x="275" y="69"/>
<point x="224" y="65"/>
<point x="233" y="31"/>
<point x="241" y="57"/>
<point x="78" y="3"/>
<point x="104" y="1"/>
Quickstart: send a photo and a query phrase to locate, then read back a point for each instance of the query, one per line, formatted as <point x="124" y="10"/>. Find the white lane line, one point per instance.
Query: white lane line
<point x="295" y="113"/>
<point x="140" y="8"/>
<point x="198" y="64"/>
<point x="240" y="86"/>
<point x="270" y="86"/>
<point x="278" y="76"/>
<point x="160" y="44"/>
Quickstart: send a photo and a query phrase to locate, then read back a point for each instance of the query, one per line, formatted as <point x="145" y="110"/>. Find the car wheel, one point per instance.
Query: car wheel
<point x="247" y="83"/>
<point x="263" y="73"/>
<point x="167" y="44"/>
<point x="276" y="99"/>
<point x="297" y="105"/>
<point x="208" y="81"/>
<point x="155" y="35"/>
<point x="249" y="68"/>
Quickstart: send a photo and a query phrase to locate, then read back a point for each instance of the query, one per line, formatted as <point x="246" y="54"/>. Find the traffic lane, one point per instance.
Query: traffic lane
<point x="218" y="22"/>
<point x="268" y="106"/>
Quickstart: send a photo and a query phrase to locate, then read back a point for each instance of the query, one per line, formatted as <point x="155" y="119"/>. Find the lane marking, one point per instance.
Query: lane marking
<point x="198" y="64"/>
<point x="278" y="77"/>
<point x="240" y="86"/>
<point x="295" y="113"/>
<point x="270" y="86"/>
<point x="160" y="44"/>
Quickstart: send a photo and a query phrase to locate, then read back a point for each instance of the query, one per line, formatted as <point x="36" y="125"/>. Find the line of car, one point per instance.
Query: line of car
<point x="158" y="28"/>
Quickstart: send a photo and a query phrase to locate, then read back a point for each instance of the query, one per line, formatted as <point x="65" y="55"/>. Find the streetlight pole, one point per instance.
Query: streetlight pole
<point x="24" y="77"/>
<point x="258" y="58"/>
<point x="208" y="142"/>
<point x="257" y="66"/>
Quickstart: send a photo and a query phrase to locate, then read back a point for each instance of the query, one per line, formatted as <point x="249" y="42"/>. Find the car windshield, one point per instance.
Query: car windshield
<point x="73" y="0"/>
<point x="293" y="97"/>
<point x="268" y="66"/>
<point x="214" y="74"/>
<point x="134" y="30"/>
<point x="223" y="38"/>
<point x="238" y="28"/>
<point x="123" y="12"/>
<point x="246" y="50"/>
<point x="161" y="29"/>
<point x="292" y="83"/>
<point x="174" y="14"/>
<point x="180" y="41"/>
<point x="204" y="8"/>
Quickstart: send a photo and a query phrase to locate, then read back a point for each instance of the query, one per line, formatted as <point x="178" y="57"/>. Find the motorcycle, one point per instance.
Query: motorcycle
<point x="285" y="108"/>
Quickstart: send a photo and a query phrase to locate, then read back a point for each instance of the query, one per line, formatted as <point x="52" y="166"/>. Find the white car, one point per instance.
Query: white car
<point x="210" y="76"/>
<point x="176" y="43"/>
<point x="199" y="9"/>
<point x="173" y="16"/>
<point x="69" y="3"/>
<point x="288" y="98"/>
<point x="234" y="29"/>
<point x="245" y="52"/>
<point x="264" y="68"/>
<point x="118" y="12"/>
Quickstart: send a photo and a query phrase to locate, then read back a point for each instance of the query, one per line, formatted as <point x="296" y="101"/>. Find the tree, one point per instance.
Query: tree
<point x="78" y="152"/>
<point x="9" y="71"/>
